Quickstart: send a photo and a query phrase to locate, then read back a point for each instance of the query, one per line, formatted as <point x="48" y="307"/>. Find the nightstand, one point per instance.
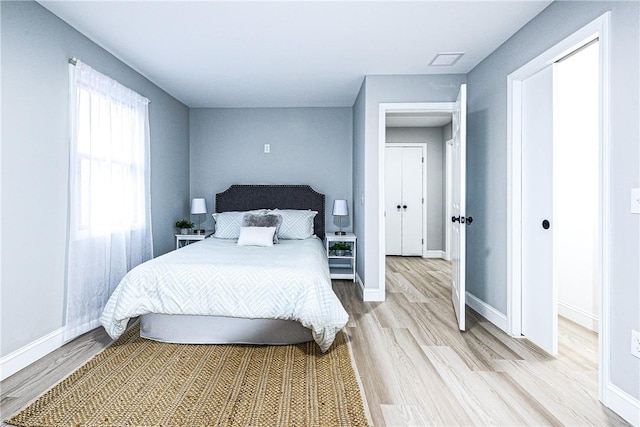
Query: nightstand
<point x="183" y="240"/>
<point x="342" y="265"/>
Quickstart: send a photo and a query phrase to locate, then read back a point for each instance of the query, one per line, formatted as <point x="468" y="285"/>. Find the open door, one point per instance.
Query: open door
<point x="458" y="212"/>
<point x="539" y="302"/>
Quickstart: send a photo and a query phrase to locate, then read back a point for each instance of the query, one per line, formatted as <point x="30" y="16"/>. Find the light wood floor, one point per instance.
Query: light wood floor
<point x="416" y="367"/>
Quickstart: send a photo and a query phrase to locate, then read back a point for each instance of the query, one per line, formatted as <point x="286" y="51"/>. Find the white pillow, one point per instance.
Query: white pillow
<point x="227" y="224"/>
<point x="256" y="236"/>
<point x="296" y="224"/>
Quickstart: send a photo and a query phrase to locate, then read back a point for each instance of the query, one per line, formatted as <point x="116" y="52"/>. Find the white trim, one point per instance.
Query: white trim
<point x="433" y="253"/>
<point x="384" y="107"/>
<point x="622" y="404"/>
<point x="600" y="28"/>
<point x="24" y="356"/>
<point x="579" y="316"/>
<point x="488" y="312"/>
<point x="368" y="294"/>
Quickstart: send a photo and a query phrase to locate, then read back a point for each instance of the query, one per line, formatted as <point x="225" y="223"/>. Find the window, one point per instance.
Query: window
<point x="109" y="200"/>
<point x="108" y="158"/>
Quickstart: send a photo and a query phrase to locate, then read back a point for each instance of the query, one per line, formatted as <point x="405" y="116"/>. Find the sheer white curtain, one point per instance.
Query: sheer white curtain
<point x="109" y="202"/>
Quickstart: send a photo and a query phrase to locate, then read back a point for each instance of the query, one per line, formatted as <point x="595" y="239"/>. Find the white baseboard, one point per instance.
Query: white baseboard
<point x="622" y="404"/>
<point x="23" y="357"/>
<point x="578" y="316"/>
<point x="487" y="311"/>
<point x="433" y="254"/>
<point x="369" y="294"/>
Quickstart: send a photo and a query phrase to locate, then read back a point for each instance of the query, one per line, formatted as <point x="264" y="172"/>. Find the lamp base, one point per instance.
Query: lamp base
<point x="198" y="232"/>
<point x="340" y="233"/>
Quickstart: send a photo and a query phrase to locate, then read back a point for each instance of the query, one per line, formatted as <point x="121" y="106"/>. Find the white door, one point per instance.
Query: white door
<point x="393" y="201"/>
<point x="539" y="302"/>
<point x="458" y="211"/>
<point x="404" y="200"/>
<point x="412" y="201"/>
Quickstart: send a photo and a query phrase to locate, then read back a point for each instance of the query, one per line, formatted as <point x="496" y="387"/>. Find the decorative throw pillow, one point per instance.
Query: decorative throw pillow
<point x="296" y="224"/>
<point x="227" y="224"/>
<point x="263" y="220"/>
<point x="256" y="236"/>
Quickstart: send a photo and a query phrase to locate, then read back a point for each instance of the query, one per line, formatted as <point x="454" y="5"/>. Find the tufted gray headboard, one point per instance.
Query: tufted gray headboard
<point x="248" y="197"/>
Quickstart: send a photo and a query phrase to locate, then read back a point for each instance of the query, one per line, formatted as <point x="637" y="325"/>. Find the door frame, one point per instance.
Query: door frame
<point x="599" y="28"/>
<point x="423" y="146"/>
<point x="383" y="109"/>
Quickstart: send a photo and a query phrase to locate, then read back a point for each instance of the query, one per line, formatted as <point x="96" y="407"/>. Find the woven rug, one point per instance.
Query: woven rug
<point x="138" y="382"/>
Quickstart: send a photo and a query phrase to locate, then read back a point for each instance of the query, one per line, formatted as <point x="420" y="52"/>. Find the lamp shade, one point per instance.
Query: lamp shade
<point x="198" y="206"/>
<point x="340" y="208"/>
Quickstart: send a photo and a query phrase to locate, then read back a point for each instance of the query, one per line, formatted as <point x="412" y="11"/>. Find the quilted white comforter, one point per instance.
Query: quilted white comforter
<point x="216" y="277"/>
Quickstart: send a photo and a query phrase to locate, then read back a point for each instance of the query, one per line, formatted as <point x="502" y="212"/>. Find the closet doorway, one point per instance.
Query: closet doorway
<point x="558" y="195"/>
<point x="416" y="197"/>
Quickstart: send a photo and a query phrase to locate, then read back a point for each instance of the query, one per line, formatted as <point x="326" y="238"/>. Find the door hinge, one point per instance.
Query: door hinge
<point x="423" y="200"/>
<point x="423" y="160"/>
<point x="423" y="241"/>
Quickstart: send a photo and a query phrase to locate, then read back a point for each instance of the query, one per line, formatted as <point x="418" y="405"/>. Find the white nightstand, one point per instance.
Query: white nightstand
<point x="341" y="266"/>
<point x="183" y="240"/>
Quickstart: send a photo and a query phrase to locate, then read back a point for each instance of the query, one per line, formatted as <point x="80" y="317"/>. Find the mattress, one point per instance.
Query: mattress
<point x="216" y="277"/>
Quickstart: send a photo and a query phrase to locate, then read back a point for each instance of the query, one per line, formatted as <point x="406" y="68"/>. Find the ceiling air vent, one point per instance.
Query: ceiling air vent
<point x="446" y="59"/>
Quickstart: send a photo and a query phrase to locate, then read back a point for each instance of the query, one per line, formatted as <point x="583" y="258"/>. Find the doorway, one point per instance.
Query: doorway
<point x="457" y="110"/>
<point x="535" y="212"/>
<point x="424" y="134"/>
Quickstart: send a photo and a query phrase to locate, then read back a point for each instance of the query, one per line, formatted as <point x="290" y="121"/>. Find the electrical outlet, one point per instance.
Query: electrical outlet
<point x="267" y="148"/>
<point x="635" y="344"/>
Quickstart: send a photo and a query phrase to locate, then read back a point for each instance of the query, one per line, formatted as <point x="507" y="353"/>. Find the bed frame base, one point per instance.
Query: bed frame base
<point x="185" y="329"/>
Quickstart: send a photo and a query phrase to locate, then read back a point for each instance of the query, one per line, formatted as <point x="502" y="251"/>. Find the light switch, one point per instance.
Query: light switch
<point x="635" y="200"/>
<point x="267" y="148"/>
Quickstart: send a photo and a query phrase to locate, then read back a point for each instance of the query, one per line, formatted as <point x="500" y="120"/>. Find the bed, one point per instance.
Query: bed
<point x="216" y="291"/>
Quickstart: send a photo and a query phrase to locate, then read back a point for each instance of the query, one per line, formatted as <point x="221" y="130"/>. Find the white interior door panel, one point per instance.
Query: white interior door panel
<point x="539" y="304"/>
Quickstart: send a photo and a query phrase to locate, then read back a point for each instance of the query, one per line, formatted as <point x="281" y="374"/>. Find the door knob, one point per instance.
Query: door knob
<point x="469" y="220"/>
<point x="398" y="207"/>
<point x="546" y="224"/>
<point x="404" y="207"/>
<point x="455" y="218"/>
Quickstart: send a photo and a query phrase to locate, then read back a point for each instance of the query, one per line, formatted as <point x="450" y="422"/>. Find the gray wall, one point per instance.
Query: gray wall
<point x="35" y="150"/>
<point x="434" y="139"/>
<point x="487" y="174"/>
<point x="358" y="171"/>
<point x="308" y="146"/>
<point x="382" y="89"/>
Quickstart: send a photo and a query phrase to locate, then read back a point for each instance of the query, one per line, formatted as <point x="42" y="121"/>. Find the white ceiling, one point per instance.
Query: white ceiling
<point x="290" y="53"/>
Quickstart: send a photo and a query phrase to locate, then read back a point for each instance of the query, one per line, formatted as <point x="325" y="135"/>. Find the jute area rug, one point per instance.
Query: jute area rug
<point x="138" y="382"/>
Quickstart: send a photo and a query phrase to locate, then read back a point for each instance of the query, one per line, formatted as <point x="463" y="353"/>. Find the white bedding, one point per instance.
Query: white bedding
<point x="289" y="281"/>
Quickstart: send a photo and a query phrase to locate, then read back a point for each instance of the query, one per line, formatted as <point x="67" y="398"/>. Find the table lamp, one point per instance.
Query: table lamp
<point x="199" y="207"/>
<point x="340" y="209"/>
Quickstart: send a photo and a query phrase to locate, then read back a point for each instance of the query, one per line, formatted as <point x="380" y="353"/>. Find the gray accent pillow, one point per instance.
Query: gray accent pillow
<point x="263" y="220"/>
